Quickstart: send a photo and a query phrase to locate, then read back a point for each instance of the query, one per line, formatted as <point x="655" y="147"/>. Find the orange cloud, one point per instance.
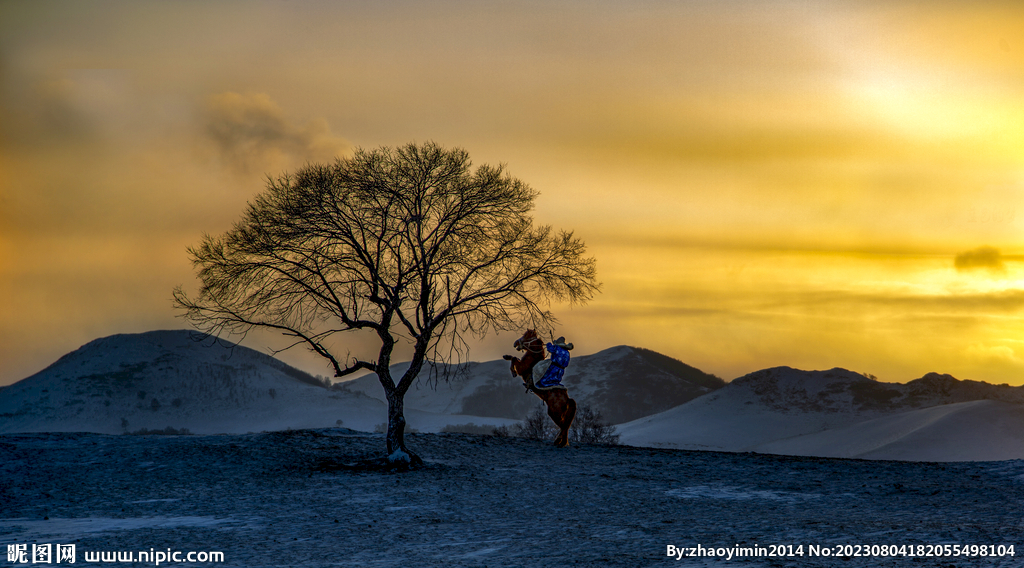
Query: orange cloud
<point x="983" y="257"/>
<point x="251" y="132"/>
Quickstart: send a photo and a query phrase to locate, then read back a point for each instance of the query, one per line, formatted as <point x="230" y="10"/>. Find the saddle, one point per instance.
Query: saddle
<point x="539" y="370"/>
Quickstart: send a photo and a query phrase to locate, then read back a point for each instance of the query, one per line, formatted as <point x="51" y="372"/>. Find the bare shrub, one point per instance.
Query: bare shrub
<point x="502" y="431"/>
<point x="536" y="426"/>
<point x="587" y="428"/>
<point x="590" y="428"/>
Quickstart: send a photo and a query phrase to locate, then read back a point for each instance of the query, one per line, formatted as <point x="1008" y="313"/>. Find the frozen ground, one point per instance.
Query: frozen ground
<point x="280" y="499"/>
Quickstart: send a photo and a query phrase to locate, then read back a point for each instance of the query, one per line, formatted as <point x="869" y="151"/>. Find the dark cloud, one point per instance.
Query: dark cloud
<point x="251" y="133"/>
<point x="983" y="257"/>
<point x="43" y="114"/>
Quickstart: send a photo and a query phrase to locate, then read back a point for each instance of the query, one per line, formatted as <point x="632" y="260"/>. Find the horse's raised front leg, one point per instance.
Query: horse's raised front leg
<point x="515" y="364"/>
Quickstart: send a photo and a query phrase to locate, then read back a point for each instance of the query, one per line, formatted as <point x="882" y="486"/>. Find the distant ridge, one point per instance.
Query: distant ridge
<point x="787" y="389"/>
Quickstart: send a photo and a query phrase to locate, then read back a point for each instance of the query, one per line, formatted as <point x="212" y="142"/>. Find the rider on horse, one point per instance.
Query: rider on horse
<point x="561" y="408"/>
<point x="559" y="351"/>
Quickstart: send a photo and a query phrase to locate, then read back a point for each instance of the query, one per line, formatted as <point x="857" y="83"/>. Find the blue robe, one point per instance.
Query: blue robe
<point x="559" y="361"/>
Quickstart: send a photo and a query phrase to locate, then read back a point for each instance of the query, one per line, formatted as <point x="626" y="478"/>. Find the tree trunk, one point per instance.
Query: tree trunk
<point x="398" y="455"/>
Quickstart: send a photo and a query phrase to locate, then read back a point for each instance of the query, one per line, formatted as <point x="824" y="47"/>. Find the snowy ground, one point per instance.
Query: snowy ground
<point x="275" y="499"/>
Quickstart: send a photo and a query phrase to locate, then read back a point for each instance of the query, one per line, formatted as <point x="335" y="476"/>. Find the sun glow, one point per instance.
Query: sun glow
<point x="802" y="185"/>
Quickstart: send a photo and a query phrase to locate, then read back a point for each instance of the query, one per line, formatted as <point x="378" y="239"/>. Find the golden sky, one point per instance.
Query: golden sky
<point x="811" y="184"/>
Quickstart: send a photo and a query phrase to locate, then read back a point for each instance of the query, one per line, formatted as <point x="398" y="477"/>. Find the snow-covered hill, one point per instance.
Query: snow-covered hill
<point x="623" y="383"/>
<point x="980" y="430"/>
<point x="843" y="414"/>
<point x="162" y="379"/>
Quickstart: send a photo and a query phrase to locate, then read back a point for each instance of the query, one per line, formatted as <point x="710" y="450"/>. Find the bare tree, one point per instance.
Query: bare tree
<point x="409" y="244"/>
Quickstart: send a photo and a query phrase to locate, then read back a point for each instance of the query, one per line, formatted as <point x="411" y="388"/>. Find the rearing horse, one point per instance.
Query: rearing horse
<point x="561" y="408"/>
